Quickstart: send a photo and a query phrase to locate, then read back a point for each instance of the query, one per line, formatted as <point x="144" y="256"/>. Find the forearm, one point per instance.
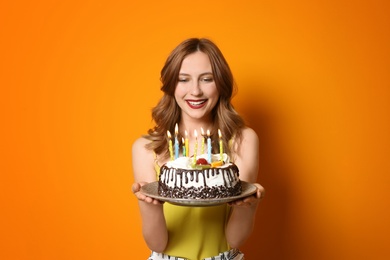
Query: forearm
<point x="154" y="227"/>
<point x="240" y="225"/>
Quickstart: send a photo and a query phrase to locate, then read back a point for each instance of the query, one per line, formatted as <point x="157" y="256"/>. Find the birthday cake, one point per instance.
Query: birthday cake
<point x="204" y="178"/>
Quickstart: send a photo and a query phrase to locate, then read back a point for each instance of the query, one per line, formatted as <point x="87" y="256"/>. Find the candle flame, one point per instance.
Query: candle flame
<point x="176" y="129"/>
<point x="196" y="133"/>
<point x="208" y="133"/>
<point x="201" y="130"/>
<point x="182" y="139"/>
<point x="169" y="134"/>
<point x="219" y="133"/>
<point x="185" y="132"/>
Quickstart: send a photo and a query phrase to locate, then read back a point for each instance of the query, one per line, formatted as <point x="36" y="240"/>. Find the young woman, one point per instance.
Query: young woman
<point x="198" y="87"/>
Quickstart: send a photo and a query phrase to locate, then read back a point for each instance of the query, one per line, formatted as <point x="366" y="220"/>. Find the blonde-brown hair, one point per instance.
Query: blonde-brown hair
<point x="167" y="113"/>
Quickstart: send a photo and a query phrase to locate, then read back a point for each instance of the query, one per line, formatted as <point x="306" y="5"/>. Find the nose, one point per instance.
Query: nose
<point x="196" y="89"/>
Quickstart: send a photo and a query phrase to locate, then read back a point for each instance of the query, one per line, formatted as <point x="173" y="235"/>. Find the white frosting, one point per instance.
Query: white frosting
<point x="187" y="162"/>
<point x="221" y="174"/>
<point x="172" y="179"/>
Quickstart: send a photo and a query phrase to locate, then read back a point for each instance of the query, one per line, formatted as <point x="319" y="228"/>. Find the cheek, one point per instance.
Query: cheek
<point x="213" y="96"/>
<point x="179" y="91"/>
<point x="213" y="92"/>
<point x="179" y="94"/>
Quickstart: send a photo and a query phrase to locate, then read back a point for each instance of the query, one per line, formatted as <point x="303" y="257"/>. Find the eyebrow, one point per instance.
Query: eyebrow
<point x="202" y="74"/>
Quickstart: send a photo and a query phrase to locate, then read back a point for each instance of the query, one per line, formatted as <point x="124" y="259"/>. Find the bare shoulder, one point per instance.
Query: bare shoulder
<point x="139" y="145"/>
<point x="247" y="155"/>
<point x="249" y="135"/>
<point x="142" y="161"/>
<point x="249" y="140"/>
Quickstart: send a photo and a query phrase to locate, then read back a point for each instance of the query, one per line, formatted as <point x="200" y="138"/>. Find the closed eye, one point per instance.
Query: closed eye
<point x="183" y="79"/>
<point x="208" y="79"/>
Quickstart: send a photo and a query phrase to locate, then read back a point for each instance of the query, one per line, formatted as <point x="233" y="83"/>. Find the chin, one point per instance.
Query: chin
<point x="200" y="117"/>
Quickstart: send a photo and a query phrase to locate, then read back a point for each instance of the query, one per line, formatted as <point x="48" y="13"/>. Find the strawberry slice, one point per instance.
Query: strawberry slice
<point x="202" y="161"/>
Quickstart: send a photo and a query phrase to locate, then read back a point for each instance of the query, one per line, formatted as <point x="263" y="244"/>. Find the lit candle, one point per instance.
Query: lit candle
<point x="186" y="144"/>
<point x="202" y="146"/>
<point x="170" y="145"/>
<point x="220" y="145"/>
<point x="208" y="146"/>
<point x="196" y="145"/>
<point x="176" y="142"/>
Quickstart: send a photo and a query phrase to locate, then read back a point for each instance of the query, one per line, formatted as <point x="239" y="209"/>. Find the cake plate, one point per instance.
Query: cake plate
<point x="150" y="190"/>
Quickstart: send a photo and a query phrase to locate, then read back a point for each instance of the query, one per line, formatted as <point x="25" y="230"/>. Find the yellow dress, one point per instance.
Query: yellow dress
<point x="195" y="232"/>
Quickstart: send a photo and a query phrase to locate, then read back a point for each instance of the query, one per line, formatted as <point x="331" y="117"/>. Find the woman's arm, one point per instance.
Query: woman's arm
<point x="153" y="221"/>
<point x="242" y="219"/>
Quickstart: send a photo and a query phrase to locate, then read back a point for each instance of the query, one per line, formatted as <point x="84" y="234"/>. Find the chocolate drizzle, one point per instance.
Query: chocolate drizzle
<point x="172" y="180"/>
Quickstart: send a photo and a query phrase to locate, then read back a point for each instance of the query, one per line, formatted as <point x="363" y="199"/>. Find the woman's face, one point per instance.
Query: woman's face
<point x="196" y="92"/>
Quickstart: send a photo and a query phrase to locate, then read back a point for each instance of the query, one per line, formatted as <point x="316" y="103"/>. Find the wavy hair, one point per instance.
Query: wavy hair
<point x="167" y="113"/>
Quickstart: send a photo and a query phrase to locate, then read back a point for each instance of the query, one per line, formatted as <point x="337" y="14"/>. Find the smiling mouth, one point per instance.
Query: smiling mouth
<point x="196" y="103"/>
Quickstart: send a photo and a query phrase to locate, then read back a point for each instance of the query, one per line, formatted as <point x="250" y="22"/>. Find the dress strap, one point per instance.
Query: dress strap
<point x="156" y="165"/>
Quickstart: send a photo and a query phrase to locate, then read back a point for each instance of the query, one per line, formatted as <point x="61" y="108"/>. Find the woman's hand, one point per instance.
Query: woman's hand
<point x="136" y="188"/>
<point x="250" y="200"/>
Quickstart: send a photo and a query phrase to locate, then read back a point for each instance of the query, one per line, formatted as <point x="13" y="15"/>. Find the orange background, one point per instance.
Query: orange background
<point x="78" y="80"/>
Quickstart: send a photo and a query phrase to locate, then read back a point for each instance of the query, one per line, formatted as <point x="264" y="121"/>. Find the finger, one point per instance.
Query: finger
<point x="260" y="194"/>
<point x="148" y="199"/>
<point x="260" y="191"/>
<point x="158" y="202"/>
<point x="136" y="187"/>
<point x="140" y="196"/>
<point x="250" y="200"/>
